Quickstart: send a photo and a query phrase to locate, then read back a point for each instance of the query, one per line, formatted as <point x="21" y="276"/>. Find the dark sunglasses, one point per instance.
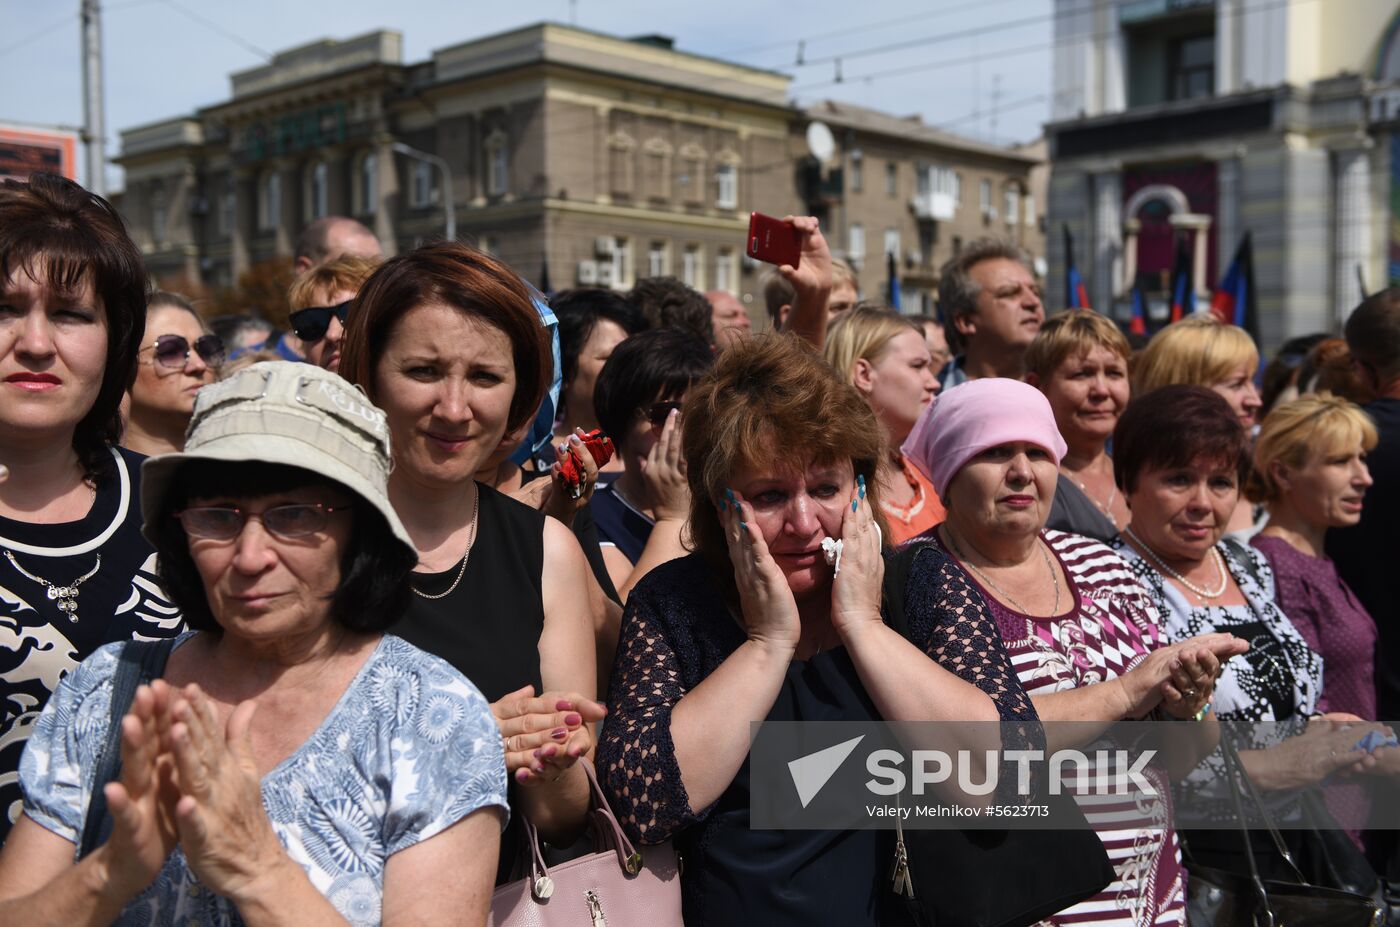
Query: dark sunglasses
<point x="173" y="351"/>
<point x="310" y="324"/>
<point x="656" y="412"/>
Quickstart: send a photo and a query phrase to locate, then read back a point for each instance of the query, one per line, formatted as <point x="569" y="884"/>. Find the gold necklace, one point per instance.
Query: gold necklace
<point x="1157" y="561"/>
<point x="1054" y="576"/>
<point x="461" y="570"/>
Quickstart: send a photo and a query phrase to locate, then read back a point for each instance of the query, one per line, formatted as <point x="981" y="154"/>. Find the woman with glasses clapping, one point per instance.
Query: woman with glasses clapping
<point x="178" y="359"/>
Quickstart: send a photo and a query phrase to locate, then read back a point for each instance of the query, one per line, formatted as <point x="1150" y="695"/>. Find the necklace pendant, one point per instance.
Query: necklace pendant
<point x="69" y="607"/>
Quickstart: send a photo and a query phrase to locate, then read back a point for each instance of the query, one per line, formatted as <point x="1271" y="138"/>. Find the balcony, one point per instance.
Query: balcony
<point x="932" y="206"/>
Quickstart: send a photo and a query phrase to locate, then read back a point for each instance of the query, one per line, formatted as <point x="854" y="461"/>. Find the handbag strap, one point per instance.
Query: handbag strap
<point x="138" y="663"/>
<point x="1239" y="778"/>
<point x="609" y="831"/>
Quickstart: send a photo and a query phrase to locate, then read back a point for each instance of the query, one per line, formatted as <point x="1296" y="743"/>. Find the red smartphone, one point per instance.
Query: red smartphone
<point x="773" y="240"/>
<point x="600" y="446"/>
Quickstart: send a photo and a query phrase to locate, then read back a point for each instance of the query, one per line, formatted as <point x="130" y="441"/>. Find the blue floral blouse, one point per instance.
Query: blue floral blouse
<point x="410" y="749"/>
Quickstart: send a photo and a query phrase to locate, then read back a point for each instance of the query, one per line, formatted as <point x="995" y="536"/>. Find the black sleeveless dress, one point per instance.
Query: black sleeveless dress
<point x="489" y="626"/>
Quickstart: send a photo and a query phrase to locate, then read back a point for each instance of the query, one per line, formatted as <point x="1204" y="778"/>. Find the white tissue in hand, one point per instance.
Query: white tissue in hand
<point x="831" y="549"/>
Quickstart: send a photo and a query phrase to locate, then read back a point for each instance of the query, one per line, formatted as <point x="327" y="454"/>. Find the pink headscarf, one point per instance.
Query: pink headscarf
<point x="968" y="419"/>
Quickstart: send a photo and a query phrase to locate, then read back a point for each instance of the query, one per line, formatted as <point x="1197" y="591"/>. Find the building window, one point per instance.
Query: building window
<point x="314" y="206"/>
<point x="693" y="174"/>
<point x="621" y="263"/>
<point x="892" y="242"/>
<point x="497" y="164"/>
<point x="228" y="208"/>
<point x="692" y="267"/>
<point x="1191" y="67"/>
<point x="727" y="187"/>
<point x="420" y="185"/>
<point x="269" y="200"/>
<point x="656" y="170"/>
<point x="984" y="199"/>
<point x="855" y="243"/>
<point x="857" y="170"/>
<point x="1013" y="205"/>
<point x="489" y="245"/>
<point x="892" y="178"/>
<point x="656" y="259"/>
<point x="1030" y="209"/>
<point x="620" y="165"/>
<point x="724" y="270"/>
<point x="367" y="184"/>
<point x="935" y="179"/>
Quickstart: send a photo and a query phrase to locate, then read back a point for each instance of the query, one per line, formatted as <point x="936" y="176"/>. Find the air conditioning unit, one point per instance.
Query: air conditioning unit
<point x="604" y="246"/>
<point x="606" y="277"/>
<point x="588" y="273"/>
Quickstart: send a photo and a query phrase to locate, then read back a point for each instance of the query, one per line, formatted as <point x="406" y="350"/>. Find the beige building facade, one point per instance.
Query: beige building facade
<point x="578" y="158"/>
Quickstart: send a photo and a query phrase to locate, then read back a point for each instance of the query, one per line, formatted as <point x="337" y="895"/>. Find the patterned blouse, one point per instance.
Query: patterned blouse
<point x="410" y="749"/>
<point x="1268" y="692"/>
<point x="1110" y="625"/>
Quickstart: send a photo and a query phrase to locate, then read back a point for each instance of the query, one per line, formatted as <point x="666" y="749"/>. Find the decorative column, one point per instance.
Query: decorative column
<point x="245" y="216"/>
<point x="1352" y="229"/>
<point x="1108" y="223"/>
<point x="1131" y="229"/>
<point x="387" y="189"/>
<point x="1199" y="225"/>
<point x="292" y="196"/>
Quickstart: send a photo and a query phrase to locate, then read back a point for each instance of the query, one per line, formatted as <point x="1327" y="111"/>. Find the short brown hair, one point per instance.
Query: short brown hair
<point x="1173" y="426"/>
<point x="958" y="291"/>
<point x="769" y="399"/>
<point x="50" y="226"/>
<point x="1200" y="350"/>
<point x="1294" y="431"/>
<point x="777" y="293"/>
<point x="468" y="280"/>
<point x="1373" y="333"/>
<point x="347" y="272"/>
<point x="1070" y="334"/>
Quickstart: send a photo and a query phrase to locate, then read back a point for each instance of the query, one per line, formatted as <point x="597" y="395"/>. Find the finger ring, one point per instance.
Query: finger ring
<point x="1190" y="693"/>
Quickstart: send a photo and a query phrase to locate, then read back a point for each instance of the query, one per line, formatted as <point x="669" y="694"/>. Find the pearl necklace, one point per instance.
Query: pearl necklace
<point x="1162" y="566"/>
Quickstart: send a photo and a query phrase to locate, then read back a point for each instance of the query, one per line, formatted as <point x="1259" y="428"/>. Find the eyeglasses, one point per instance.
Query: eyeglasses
<point x="311" y="324"/>
<point x="173" y="351"/>
<point x="288" y="522"/>
<point x="656" y="412"/>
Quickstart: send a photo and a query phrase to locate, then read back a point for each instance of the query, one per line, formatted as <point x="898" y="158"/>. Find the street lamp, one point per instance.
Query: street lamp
<point x="449" y="205"/>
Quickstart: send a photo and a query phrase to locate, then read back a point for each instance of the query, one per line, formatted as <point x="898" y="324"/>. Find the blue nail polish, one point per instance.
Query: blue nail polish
<point x="854" y="504"/>
<point x="860" y="481"/>
<point x="729" y="494"/>
<point x="743" y="526"/>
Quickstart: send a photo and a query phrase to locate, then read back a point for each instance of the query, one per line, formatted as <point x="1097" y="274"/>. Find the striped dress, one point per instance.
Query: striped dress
<point x="1110" y="626"/>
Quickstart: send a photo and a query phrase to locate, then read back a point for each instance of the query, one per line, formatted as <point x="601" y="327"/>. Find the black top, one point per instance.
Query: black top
<point x="677" y="629"/>
<point x="489" y="626"/>
<point x="39" y="643"/>
<point x="586" y="531"/>
<point x="1365" y="553"/>
<point x="619" y="524"/>
<point x="1075" y="513"/>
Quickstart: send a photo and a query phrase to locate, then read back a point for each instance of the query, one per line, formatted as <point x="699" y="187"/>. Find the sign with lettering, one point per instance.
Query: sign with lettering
<point x="294" y="133"/>
<point x="27" y="150"/>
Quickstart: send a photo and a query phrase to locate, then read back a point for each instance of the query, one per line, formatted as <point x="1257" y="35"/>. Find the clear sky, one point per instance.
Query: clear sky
<point x="955" y="62"/>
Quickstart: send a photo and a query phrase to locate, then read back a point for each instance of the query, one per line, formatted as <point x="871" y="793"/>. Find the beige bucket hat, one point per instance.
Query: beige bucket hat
<point x="283" y="413"/>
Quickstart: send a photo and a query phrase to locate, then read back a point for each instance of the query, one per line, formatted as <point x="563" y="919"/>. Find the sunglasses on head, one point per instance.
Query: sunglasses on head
<point x="656" y="412"/>
<point x="173" y="351"/>
<point x="311" y="324"/>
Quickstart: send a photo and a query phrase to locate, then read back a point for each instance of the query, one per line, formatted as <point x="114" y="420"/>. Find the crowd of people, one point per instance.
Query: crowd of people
<point x="360" y="611"/>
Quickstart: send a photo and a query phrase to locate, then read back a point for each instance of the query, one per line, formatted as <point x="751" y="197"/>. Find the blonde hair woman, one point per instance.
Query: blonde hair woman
<point x="1310" y="473"/>
<point x="885" y="357"/>
<point x="1079" y="360"/>
<point x="1202" y="351"/>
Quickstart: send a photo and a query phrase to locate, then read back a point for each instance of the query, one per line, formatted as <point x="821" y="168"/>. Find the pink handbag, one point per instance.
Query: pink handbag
<point x="616" y="886"/>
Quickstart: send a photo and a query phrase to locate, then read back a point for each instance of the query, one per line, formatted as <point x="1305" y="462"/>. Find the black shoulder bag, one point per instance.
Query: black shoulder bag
<point x="960" y="877"/>
<point x="139" y="663"/>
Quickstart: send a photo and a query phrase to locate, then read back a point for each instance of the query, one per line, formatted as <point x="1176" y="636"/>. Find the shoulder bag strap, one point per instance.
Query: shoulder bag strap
<point x="138" y="664"/>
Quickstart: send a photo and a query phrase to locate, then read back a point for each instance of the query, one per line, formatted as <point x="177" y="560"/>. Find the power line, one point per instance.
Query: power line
<point x="210" y="24"/>
<point x="52" y="27"/>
